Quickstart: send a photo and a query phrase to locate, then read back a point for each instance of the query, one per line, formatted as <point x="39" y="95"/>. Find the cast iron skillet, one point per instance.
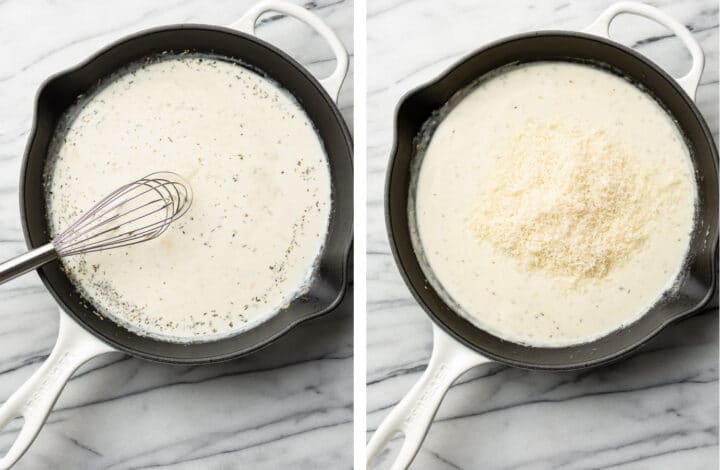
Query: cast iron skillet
<point x="75" y="345"/>
<point x="459" y="344"/>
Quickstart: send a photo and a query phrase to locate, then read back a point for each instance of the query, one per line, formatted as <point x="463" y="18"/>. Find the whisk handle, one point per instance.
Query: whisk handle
<point x="33" y="259"/>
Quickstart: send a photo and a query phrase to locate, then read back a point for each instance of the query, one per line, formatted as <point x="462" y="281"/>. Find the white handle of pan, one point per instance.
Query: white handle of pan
<point x="36" y="397"/>
<point x="334" y="81"/>
<point x="415" y="412"/>
<point x="690" y="81"/>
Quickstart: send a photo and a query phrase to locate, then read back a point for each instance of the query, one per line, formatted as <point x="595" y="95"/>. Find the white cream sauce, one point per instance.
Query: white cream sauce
<point x="491" y="288"/>
<point x="262" y="196"/>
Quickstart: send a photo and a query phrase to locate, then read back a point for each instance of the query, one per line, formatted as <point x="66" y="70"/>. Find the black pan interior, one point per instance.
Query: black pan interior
<point x="696" y="287"/>
<point x="61" y="91"/>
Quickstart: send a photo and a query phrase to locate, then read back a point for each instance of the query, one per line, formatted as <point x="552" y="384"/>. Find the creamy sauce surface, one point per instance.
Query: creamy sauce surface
<point x="262" y="196"/>
<point x="468" y="141"/>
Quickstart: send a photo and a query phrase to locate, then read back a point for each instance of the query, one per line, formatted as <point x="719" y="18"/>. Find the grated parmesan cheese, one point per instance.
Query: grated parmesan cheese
<point x="569" y="199"/>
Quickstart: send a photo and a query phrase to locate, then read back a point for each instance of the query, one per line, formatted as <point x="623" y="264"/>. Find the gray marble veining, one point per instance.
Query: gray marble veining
<point x="288" y="406"/>
<point x="655" y="410"/>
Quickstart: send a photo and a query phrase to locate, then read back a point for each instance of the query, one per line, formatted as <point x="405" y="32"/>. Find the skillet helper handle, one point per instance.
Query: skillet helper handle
<point x="690" y="81"/>
<point x="334" y="81"/>
<point x="415" y="412"/>
<point x="33" y="259"/>
<point x="36" y="397"/>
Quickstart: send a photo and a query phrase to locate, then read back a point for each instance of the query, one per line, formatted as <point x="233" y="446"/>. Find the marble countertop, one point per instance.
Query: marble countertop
<point x="288" y="406"/>
<point x="657" y="409"/>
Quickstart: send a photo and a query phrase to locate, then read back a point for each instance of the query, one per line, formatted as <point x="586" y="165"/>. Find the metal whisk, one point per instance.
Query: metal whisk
<point x="134" y="213"/>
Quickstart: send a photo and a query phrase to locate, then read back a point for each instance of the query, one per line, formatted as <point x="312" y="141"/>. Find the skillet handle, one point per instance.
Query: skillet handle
<point x="690" y="81"/>
<point x="415" y="412"/>
<point x="334" y="81"/>
<point x="36" y="397"/>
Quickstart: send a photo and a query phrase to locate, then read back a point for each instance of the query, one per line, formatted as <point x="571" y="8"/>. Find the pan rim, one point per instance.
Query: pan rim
<point x="342" y="261"/>
<point x="437" y="319"/>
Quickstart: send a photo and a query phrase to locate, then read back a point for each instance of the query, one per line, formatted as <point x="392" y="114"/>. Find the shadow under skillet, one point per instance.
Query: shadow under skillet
<point x="330" y="335"/>
<point x="126" y="412"/>
<point x="634" y="405"/>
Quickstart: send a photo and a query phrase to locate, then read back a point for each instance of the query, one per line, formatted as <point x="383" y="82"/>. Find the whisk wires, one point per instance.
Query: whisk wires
<point x="134" y="213"/>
